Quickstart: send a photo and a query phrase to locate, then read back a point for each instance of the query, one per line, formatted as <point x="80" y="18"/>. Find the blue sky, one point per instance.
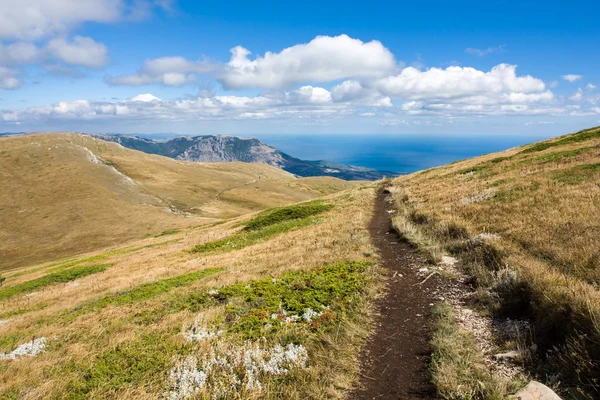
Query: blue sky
<point x="156" y="66"/>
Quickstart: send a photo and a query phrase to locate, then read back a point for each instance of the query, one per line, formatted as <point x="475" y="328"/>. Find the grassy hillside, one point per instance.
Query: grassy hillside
<point x="525" y="223"/>
<point x="64" y="194"/>
<point x="179" y="316"/>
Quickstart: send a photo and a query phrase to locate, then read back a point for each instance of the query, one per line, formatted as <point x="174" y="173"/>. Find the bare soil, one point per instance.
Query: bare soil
<point x="394" y="360"/>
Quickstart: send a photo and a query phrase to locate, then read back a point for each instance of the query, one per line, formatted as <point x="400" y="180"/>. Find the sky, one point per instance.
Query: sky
<point x="308" y="67"/>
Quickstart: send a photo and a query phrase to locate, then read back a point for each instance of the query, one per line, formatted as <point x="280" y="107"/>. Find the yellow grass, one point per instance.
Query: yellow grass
<point x="542" y="202"/>
<point x="341" y="235"/>
<point x="66" y="194"/>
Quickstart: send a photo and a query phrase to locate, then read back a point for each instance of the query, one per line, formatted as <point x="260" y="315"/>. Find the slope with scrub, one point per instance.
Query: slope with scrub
<point x="282" y="317"/>
<point x="524" y="223"/>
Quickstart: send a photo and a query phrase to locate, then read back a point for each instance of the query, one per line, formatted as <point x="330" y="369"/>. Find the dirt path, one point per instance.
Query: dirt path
<point x="394" y="359"/>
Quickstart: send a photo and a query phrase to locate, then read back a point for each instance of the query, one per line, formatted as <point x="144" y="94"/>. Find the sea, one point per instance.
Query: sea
<point x="393" y="153"/>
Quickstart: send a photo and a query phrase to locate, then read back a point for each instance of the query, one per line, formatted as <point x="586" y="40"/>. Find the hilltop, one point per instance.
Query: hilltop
<point x="211" y="148"/>
<point x="65" y="194"/>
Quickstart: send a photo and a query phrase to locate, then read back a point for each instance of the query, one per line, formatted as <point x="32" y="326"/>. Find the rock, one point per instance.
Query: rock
<point x="536" y="391"/>
<point x="449" y="261"/>
<point x="510" y="355"/>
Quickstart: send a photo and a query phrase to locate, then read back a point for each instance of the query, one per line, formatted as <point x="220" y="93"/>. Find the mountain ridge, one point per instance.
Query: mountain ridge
<point x="221" y="148"/>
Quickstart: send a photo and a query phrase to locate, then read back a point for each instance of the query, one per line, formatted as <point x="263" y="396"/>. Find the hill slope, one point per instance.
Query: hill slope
<point x="68" y="193"/>
<point x="275" y="308"/>
<point x="525" y="224"/>
<point x="211" y="148"/>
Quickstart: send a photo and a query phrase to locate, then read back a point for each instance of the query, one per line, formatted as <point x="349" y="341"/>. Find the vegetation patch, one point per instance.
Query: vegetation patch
<point x="516" y="192"/>
<point x="582" y="136"/>
<point x="289" y="213"/>
<point x="306" y="300"/>
<point x="145" y="291"/>
<point x="124" y="367"/>
<point x="168" y="232"/>
<point x="261" y="339"/>
<point x="264" y="228"/>
<point x="576" y="175"/>
<point x="458" y="368"/>
<point x="47" y="280"/>
<point x="471" y="170"/>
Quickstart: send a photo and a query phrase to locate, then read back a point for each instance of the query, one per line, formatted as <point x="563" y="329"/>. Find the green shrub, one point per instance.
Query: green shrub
<point x="289" y="213"/>
<point x="145" y="291"/>
<point x="47" y="280"/>
<point x="248" y="238"/>
<point x="587" y="134"/>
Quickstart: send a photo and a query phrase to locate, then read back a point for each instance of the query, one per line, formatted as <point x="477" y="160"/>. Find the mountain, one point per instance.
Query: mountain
<point x="67" y="193"/>
<point x="211" y="148"/>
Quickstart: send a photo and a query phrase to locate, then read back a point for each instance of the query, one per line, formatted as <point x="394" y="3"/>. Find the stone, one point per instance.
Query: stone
<point x="536" y="391"/>
<point x="510" y="355"/>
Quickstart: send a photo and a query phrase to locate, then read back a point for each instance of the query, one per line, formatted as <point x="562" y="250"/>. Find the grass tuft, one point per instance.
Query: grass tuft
<point x="458" y="368"/>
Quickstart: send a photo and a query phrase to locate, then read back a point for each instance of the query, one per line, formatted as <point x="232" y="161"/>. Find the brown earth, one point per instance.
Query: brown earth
<point x="394" y="359"/>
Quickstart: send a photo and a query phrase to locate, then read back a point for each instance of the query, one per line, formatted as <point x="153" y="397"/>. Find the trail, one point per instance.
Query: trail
<point x="394" y="359"/>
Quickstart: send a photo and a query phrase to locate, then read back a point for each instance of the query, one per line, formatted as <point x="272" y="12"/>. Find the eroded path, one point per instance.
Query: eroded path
<point x="394" y="359"/>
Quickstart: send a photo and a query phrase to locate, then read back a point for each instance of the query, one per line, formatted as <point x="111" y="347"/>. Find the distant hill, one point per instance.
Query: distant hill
<point x="211" y="148"/>
<point x="66" y="193"/>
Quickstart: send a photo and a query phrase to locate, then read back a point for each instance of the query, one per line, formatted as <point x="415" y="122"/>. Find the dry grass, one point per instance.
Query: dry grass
<point x="65" y="194"/>
<point x="90" y="345"/>
<point x="542" y="202"/>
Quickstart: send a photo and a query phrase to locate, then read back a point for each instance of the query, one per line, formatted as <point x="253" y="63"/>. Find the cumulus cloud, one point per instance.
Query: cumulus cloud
<point x="20" y="53"/>
<point x="82" y="51"/>
<point x="353" y="91"/>
<point x="577" y="96"/>
<point x="485" y="52"/>
<point x="170" y="71"/>
<point x="590" y="86"/>
<point x="323" y="59"/>
<point x="460" y="83"/>
<point x="37" y="32"/>
<point x="572" y="77"/>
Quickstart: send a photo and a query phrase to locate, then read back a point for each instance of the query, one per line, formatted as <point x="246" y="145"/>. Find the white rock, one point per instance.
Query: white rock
<point x="536" y="391"/>
<point x="449" y="261"/>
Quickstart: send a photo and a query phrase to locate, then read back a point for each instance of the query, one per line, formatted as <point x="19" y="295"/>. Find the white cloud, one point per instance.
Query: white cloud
<point x="82" y="51"/>
<point x="9" y="78"/>
<point x="464" y="84"/>
<point x="577" y="96"/>
<point x="572" y="77"/>
<point x="540" y="123"/>
<point x="590" y="86"/>
<point x="484" y="52"/>
<point x="37" y="19"/>
<point x="170" y="71"/>
<point x="19" y="53"/>
<point x="323" y="59"/>
<point x="146" y="97"/>
<point x="354" y="92"/>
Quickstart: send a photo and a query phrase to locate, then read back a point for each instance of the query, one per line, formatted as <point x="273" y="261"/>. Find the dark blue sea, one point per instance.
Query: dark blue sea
<point x="394" y="153"/>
